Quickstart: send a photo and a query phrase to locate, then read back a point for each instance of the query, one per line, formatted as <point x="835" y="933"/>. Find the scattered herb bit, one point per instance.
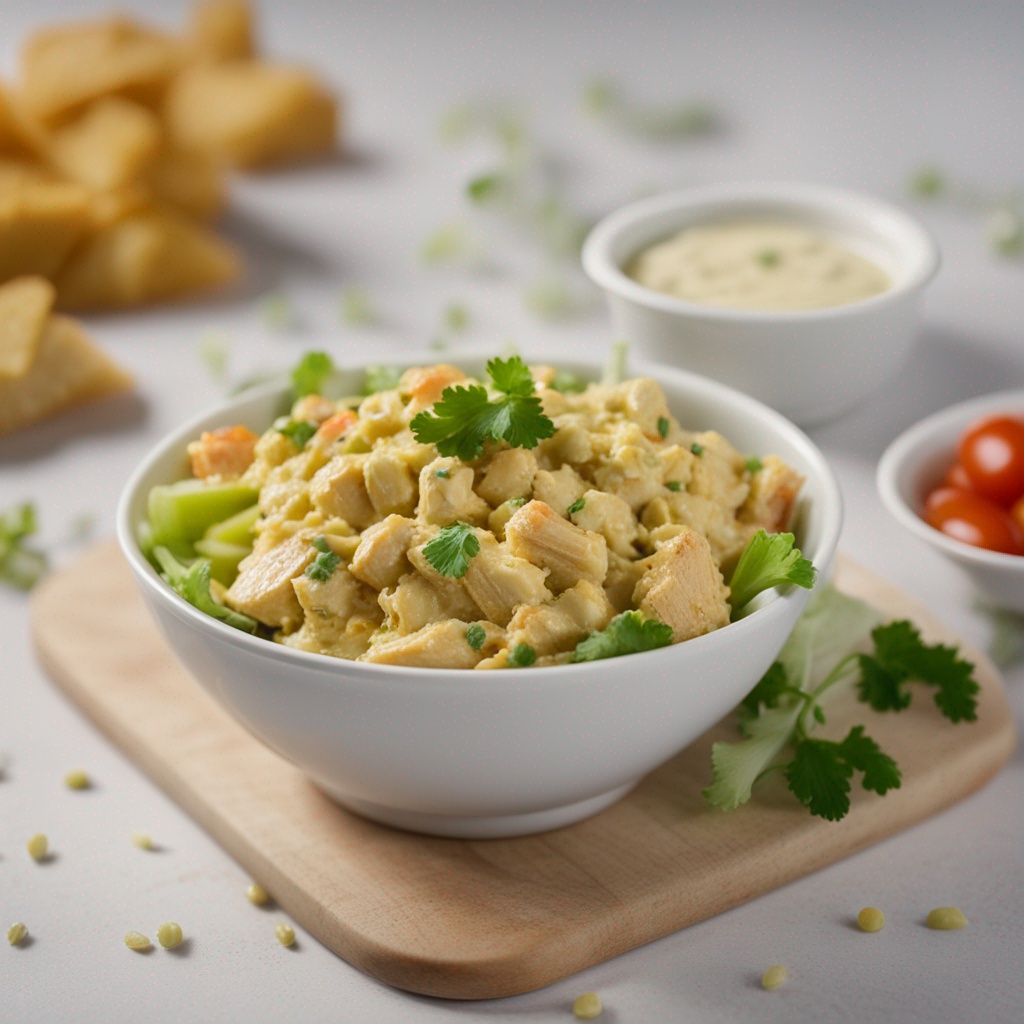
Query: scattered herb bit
<point x="514" y="503"/>
<point x="466" y="418"/>
<point x="381" y="378"/>
<point x="567" y="383"/>
<point x="450" y="551"/>
<point x="754" y="464"/>
<point x="456" y="317"/>
<point x="192" y="582"/>
<point x="926" y="183"/>
<point x="143" y="840"/>
<point x="297" y="431"/>
<point x="277" y="312"/>
<point x="769" y="258"/>
<point x="311" y="374"/>
<point x="448" y="243"/>
<point x="355" y="308"/>
<point x="326" y="561"/>
<point x="20" y="566"/>
<point x="674" y="485"/>
<point x="602" y="98"/>
<point x="521" y="656"/>
<point x="628" y="633"/>
<point x="946" y="919"/>
<point x="1006" y="644"/>
<point x="576" y="506"/>
<point x="768" y="560"/>
<point x="475" y="636"/>
<point x="17" y="933"/>
<point x="442" y="473"/>
<point x="213" y="354"/>
<point x="663" y="426"/>
<point x="549" y="299"/>
<point x="615" y="369"/>
<point x="1005" y="227"/>
<point x="77" y="779"/>
<point x="697" y="449"/>
<point x="782" y="709"/>
<point x="870" y="919"/>
<point x="488" y="188"/>
<point x="457" y="123"/>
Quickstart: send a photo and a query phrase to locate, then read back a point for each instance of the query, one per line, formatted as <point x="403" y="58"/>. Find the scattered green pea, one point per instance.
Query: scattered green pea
<point x="169" y="934"/>
<point x="587" y="1006"/>
<point x="77" y="779"/>
<point x="16" y="933"/>
<point x="143" y="840"/>
<point x="137" y="941"/>
<point x="946" y="919"/>
<point x="257" y="894"/>
<point x="774" y="977"/>
<point x="285" y="934"/>
<point x="38" y="846"/>
<point x="871" y="919"/>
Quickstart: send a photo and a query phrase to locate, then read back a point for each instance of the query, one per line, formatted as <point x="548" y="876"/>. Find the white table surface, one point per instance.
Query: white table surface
<point x="854" y="95"/>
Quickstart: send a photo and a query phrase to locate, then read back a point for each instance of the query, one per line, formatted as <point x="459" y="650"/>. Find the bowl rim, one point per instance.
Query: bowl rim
<point x="606" y="272"/>
<point x="775" y="606"/>
<point x="904" y="452"/>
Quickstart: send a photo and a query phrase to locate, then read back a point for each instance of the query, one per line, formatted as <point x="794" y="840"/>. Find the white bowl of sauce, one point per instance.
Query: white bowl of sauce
<point x="806" y="297"/>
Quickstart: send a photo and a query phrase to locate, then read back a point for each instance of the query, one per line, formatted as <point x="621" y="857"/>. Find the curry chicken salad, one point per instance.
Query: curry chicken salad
<point x="445" y="522"/>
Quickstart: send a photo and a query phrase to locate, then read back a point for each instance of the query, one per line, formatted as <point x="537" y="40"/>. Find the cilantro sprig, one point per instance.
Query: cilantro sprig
<point x="192" y="582"/>
<point x="311" y="374"/>
<point x="628" y="633"/>
<point x="768" y="560"/>
<point x="781" y="712"/>
<point x="297" y="431"/>
<point x="466" y="417"/>
<point x="322" y="567"/>
<point x="450" y="551"/>
<point x="20" y="566"/>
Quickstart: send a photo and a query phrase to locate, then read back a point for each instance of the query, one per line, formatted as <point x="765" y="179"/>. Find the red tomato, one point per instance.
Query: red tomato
<point x="1017" y="512"/>
<point x="957" y="477"/>
<point x="974" y="520"/>
<point x="992" y="454"/>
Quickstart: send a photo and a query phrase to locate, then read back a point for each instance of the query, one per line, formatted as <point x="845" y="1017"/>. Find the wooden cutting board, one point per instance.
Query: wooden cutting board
<point x="479" y="919"/>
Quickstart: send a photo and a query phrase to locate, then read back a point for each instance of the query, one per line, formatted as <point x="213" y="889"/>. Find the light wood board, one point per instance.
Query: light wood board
<point x="479" y="919"/>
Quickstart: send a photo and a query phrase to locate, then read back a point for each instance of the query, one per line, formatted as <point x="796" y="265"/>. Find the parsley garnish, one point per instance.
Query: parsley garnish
<point x="381" y="378"/>
<point x="754" y="464"/>
<point x="20" y="566"/>
<point x="697" y="449"/>
<point x="475" y="636"/>
<point x="297" y="431"/>
<point x="521" y="656"/>
<point x="566" y="382"/>
<point x="674" y="485"/>
<point x="576" y="506"/>
<point x="628" y="633"/>
<point x="768" y="560"/>
<point x="514" y="503"/>
<point x="192" y="582"/>
<point x="782" y="709"/>
<point x="326" y="561"/>
<point x="663" y="425"/>
<point x="466" y="418"/>
<point x="311" y="373"/>
<point x="442" y="473"/>
<point x="450" y="551"/>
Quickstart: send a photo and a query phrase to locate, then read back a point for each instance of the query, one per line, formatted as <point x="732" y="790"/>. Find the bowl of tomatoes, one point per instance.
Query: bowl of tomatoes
<point x="956" y="480"/>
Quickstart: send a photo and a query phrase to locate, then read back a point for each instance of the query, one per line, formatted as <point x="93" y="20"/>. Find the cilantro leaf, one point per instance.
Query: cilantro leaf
<point x="297" y="431"/>
<point x="697" y="449"/>
<point x="326" y="561"/>
<point x="466" y="417"/>
<point x="20" y="566"/>
<point x="450" y="551"/>
<point x="880" y="687"/>
<point x="628" y="633"/>
<point x="192" y="582"/>
<point x="311" y="373"/>
<point x="819" y="777"/>
<point x="521" y="656"/>
<point x="674" y="485"/>
<point x="381" y="378"/>
<point x="754" y="464"/>
<point x="769" y="690"/>
<point x="663" y="426"/>
<point x="768" y="560"/>
<point x="577" y="506"/>
<point x="862" y="753"/>
<point x="475" y="636"/>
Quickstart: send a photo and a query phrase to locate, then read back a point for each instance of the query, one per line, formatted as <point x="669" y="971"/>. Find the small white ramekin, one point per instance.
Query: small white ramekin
<point x="916" y="462"/>
<point x="810" y="365"/>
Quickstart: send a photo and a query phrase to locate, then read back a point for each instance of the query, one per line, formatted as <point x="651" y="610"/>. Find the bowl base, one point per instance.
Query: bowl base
<point x="500" y="826"/>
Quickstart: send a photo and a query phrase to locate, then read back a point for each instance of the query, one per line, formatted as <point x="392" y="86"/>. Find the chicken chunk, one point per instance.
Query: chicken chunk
<point x="390" y="484"/>
<point x="263" y="588"/>
<point x="437" y="645"/>
<point x="610" y="516"/>
<point x="416" y="601"/>
<point x="773" y="490"/>
<point x="541" y="536"/>
<point x="381" y="558"/>
<point x="559" y="488"/>
<point x="560" y="625"/>
<point x="683" y="588"/>
<point x="447" y="495"/>
<point x="339" y="489"/>
<point x="499" y="581"/>
<point x="509" y="475"/>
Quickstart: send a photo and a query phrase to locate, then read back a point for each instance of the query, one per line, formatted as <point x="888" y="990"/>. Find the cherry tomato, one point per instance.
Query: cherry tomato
<point x="974" y="520"/>
<point x="1017" y="512"/>
<point x="957" y="477"/>
<point x="992" y="454"/>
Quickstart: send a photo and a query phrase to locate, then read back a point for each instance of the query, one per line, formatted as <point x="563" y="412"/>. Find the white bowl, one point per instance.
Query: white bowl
<point x="461" y="753"/>
<point x="916" y="462"/>
<point x="811" y="365"/>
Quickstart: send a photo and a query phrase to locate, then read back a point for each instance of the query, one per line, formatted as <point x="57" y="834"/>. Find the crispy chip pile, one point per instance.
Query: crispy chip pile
<point x="113" y="147"/>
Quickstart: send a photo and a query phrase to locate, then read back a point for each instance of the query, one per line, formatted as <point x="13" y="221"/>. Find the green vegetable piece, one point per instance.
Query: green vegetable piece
<point x="697" y="449"/>
<point x="567" y="383"/>
<point x="577" y="506"/>
<point x="381" y="378"/>
<point x="769" y="560"/>
<point x="237" y="529"/>
<point x="754" y="464"/>
<point x="442" y="473"/>
<point x="311" y="374"/>
<point x="20" y="566"/>
<point x="475" y="636"/>
<point x="449" y="242"/>
<point x="180" y="513"/>
<point x="322" y="567"/>
<point x="514" y="503"/>
<point x="663" y="426"/>
<point x="297" y="431"/>
<point x="466" y="417"/>
<point x="450" y="551"/>
<point x="627" y="633"/>
<point x="674" y="485"/>
<point x="192" y="582"/>
<point x="488" y="188"/>
<point x="927" y="183"/>
<point x="521" y="656"/>
<point x="224" y="558"/>
<point x="769" y="258"/>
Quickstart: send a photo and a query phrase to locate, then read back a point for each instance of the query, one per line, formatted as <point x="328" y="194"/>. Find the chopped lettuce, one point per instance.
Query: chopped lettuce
<point x="192" y="582"/>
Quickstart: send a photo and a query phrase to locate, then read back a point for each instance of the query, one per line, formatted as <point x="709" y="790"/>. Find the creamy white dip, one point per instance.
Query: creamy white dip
<point x="765" y="265"/>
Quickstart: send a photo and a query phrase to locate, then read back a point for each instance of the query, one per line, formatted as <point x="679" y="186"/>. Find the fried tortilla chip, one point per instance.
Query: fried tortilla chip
<point x="40" y="223"/>
<point x="25" y="305"/>
<point x="222" y="29"/>
<point x="68" y="370"/>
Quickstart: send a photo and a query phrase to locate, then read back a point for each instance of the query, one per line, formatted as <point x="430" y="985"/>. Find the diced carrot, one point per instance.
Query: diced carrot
<point x="333" y="427"/>
<point x="226" y="452"/>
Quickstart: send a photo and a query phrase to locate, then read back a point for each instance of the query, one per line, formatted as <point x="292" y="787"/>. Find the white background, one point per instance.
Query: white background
<point x="852" y="94"/>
